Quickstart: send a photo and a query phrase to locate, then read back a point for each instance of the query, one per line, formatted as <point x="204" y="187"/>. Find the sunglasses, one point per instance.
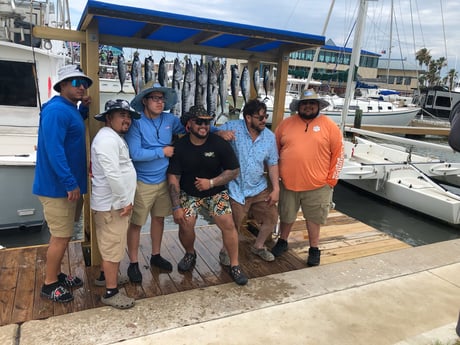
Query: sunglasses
<point x="200" y="122"/>
<point x="260" y="117"/>
<point x="77" y="82"/>
<point x="156" y="98"/>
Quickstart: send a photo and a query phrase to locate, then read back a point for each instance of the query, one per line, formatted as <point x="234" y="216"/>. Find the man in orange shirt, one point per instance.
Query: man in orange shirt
<point x="311" y="156"/>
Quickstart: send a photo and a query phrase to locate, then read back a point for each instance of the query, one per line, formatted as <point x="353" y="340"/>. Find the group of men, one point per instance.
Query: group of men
<point x="139" y="168"/>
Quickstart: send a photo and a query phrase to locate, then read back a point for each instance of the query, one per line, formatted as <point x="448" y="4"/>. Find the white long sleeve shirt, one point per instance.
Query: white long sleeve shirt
<point x="113" y="174"/>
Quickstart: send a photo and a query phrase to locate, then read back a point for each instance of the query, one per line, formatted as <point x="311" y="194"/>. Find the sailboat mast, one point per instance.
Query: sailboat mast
<point x="354" y="61"/>
<point x="389" y="49"/>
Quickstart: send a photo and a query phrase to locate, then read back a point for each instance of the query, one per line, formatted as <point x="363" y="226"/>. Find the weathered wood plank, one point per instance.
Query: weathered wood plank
<point x="42" y="307"/>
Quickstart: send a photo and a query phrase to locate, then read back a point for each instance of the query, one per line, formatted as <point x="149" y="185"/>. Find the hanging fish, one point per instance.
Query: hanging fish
<point x="266" y="80"/>
<point x="188" y="91"/>
<point x="148" y="69"/>
<point x="222" y="83"/>
<point x="201" y="84"/>
<point x="176" y="85"/>
<point x="212" y="91"/>
<point x="162" y="74"/>
<point x="234" y="83"/>
<point x="244" y="84"/>
<point x="256" y="81"/>
<point x="136" y="73"/>
<point x="121" y="68"/>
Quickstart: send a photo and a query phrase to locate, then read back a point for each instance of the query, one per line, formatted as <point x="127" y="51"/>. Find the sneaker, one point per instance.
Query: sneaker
<point x="134" y="274"/>
<point x="69" y="281"/>
<point x="314" y="255"/>
<point x="280" y="247"/>
<point x="238" y="275"/>
<point x="161" y="263"/>
<point x="59" y="294"/>
<point x="263" y="253"/>
<point x="224" y="259"/>
<point x="120" y="281"/>
<point x="187" y="262"/>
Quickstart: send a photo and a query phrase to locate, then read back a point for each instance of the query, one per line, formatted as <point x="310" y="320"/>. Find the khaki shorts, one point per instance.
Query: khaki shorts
<point x="60" y="215"/>
<point x="111" y="232"/>
<point x="150" y="199"/>
<point x="255" y="207"/>
<point x="315" y="204"/>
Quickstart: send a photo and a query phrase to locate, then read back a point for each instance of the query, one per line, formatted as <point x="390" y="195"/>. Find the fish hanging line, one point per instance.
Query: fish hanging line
<point x="34" y="60"/>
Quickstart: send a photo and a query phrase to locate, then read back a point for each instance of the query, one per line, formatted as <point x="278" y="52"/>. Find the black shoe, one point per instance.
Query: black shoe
<point x="134" y="274"/>
<point x="280" y="247"/>
<point x="161" y="263"/>
<point x="58" y="294"/>
<point x="238" y="275"/>
<point x="187" y="262"/>
<point x="69" y="281"/>
<point x="314" y="255"/>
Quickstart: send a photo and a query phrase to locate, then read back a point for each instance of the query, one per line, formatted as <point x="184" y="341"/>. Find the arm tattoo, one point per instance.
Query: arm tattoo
<point x="225" y="177"/>
<point x="174" y="189"/>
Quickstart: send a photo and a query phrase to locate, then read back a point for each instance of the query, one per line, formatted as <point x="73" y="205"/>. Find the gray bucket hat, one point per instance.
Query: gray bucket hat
<point x="311" y="95"/>
<point x="169" y="94"/>
<point x="68" y="72"/>
<point x="118" y="104"/>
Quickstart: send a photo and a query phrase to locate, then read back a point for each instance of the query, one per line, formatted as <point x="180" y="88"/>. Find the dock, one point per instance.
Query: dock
<point x="22" y="273"/>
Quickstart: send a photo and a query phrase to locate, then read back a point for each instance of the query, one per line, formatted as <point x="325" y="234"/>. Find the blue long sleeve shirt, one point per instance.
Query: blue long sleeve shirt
<point x="61" y="150"/>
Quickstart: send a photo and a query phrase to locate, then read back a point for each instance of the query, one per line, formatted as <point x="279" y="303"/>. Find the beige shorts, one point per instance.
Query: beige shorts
<point x="60" y="215"/>
<point x="150" y="199"/>
<point x="111" y="232"/>
<point x="315" y="204"/>
<point x="255" y="207"/>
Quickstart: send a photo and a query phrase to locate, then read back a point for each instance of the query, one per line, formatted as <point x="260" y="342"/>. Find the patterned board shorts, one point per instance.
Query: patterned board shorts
<point x="217" y="204"/>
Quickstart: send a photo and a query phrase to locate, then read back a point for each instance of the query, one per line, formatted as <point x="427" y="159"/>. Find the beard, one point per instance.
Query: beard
<point x="307" y="117"/>
<point x="199" y="135"/>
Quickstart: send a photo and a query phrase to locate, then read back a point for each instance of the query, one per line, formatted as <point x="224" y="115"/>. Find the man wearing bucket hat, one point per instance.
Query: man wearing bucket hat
<point x="113" y="180"/>
<point x="310" y="146"/>
<point x="202" y="165"/>
<point x="150" y="142"/>
<point x="61" y="173"/>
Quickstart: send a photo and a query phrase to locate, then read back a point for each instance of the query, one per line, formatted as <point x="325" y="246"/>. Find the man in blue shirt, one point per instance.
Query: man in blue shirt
<point x="255" y="147"/>
<point x="61" y="173"/>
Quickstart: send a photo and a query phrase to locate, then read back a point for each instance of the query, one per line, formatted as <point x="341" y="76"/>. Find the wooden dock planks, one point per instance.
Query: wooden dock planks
<point x="23" y="269"/>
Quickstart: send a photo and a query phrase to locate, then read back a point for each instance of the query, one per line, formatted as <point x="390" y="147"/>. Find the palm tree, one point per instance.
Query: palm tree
<point x="451" y="78"/>
<point x="423" y="57"/>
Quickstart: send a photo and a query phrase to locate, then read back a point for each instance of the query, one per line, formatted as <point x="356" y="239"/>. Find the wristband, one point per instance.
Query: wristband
<point x="211" y="183"/>
<point x="176" y="208"/>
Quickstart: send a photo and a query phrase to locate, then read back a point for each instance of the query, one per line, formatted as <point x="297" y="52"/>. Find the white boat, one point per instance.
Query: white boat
<point x="398" y="175"/>
<point x="26" y="82"/>
<point x="374" y="112"/>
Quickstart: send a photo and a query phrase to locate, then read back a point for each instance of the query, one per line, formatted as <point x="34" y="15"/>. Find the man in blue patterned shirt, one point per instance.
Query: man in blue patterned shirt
<point x="255" y="147"/>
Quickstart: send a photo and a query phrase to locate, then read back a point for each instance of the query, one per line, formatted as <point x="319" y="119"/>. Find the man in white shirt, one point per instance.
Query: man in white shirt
<point x="113" y="187"/>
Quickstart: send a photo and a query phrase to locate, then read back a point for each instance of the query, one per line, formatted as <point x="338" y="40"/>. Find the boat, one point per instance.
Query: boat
<point x="398" y="175"/>
<point x="437" y="101"/>
<point x="374" y="112"/>
<point x="28" y="73"/>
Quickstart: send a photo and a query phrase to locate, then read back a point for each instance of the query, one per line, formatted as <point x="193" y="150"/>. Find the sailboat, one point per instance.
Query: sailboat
<point x="395" y="173"/>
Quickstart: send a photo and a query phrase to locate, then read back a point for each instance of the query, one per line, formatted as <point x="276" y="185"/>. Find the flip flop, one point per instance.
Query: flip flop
<point x="119" y="301"/>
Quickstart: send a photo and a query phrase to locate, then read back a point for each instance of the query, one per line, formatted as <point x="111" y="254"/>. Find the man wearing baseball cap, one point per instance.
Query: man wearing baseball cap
<point x="113" y="180"/>
<point x="202" y="165"/>
<point x="61" y="173"/>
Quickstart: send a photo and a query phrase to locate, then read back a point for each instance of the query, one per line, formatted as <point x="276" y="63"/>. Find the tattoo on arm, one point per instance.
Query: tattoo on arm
<point x="174" y="189"/>
<point x="225" y="177"/>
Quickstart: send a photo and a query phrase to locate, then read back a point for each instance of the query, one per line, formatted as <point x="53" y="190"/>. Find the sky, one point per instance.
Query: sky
<point x="415" y="24"/>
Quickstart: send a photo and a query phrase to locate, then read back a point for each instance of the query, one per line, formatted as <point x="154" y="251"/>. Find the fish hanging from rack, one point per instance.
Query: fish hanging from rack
<point x="149" y="74"/>
<point x="222" y="83"/>
<point x="136" y="73"/>
<point x="162" y="74"/>
<point x="201" y="83"/>
<point x="188" y="91"/>
<point x="234" y="84"/>
<point x="244" y="84"/>
<point x="121" y="69"/>
<point x="177" y="86"/>
<point x="256" y="81"/>
<point x="266" y="80"/>
<point x="213" y="89"/>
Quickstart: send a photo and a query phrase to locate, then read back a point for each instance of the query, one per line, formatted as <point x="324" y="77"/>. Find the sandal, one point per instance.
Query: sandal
<point x="118" y="301"/>
<point x="122" y="280"/>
